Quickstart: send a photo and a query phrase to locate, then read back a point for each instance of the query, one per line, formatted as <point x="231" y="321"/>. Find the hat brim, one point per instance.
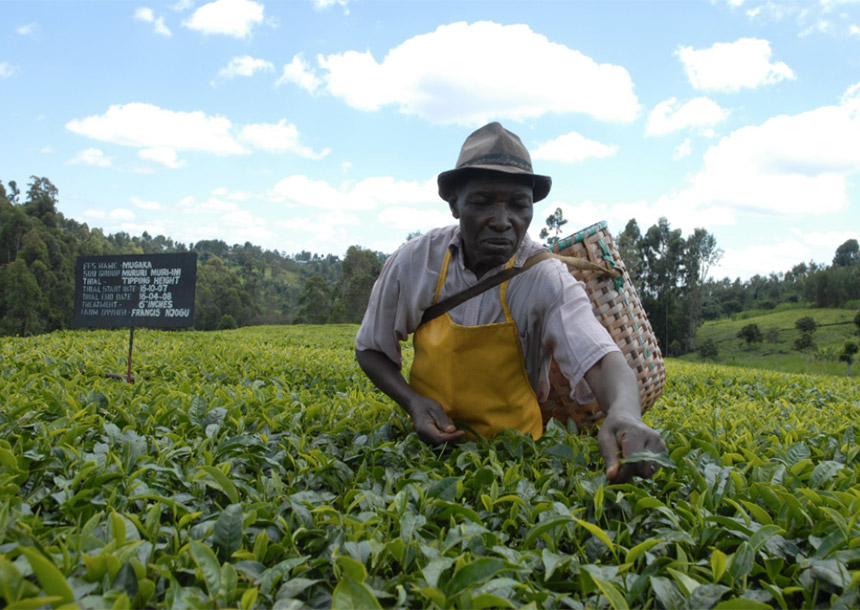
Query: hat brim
<point x="447" y="180"/>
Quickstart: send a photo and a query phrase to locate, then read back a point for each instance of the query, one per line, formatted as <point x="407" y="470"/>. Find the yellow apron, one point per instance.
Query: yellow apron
<point x="477" y="373"/>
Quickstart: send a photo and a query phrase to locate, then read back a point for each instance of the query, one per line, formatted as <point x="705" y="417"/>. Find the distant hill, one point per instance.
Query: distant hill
<point x="775" y="352"/>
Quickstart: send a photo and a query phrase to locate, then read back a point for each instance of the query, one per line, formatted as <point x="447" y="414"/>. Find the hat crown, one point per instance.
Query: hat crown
<point x="493" y="148"/>
<point x="492" y="144"/>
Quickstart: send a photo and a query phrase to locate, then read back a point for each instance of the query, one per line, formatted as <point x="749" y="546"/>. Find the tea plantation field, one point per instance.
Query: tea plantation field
<point x="258" y="468"/>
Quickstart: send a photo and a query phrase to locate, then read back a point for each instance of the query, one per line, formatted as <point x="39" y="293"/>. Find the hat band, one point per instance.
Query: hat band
<point x="499" y="159"/>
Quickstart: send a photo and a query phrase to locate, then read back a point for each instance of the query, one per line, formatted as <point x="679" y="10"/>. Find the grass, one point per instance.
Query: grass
<point x="835" y="327"/>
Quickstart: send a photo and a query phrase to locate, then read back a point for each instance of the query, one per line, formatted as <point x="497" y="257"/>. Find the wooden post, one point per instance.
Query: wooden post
<point x="129" y="378"/>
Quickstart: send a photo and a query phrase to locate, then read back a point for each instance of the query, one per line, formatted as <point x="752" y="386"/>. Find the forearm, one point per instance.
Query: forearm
<point x="387" y="377"/>
<point x="615" y="387"/>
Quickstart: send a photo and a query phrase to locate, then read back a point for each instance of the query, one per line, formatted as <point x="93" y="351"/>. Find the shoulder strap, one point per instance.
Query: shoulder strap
<point x="438" y="309"/>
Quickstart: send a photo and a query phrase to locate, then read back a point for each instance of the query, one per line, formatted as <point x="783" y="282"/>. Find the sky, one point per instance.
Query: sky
<point x="319" y="124"/>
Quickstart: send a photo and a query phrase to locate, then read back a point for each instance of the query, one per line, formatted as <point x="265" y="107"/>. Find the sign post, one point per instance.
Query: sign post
<point x="135" y="290"/>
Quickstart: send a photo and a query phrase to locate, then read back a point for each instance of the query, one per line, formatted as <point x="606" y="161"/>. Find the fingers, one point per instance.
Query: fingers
<point x="610" y="449"/>
<point x="433" y="425"/>
<point x="626" y="438"/>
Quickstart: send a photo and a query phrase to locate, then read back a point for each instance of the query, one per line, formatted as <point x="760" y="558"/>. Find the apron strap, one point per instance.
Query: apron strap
<point x="438" y="309"/>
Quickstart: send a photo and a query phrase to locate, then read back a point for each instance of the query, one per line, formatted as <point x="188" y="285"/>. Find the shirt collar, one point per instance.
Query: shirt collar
<point x="455" y="245"/>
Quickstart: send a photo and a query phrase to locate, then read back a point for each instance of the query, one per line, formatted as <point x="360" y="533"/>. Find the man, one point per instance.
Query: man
<point x="484" y="363"/>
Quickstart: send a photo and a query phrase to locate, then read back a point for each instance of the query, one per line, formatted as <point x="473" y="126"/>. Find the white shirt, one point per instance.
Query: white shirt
<point x="551" y="309"/>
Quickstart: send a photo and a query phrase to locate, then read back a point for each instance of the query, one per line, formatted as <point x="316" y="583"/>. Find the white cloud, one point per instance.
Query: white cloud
<point x="668" y="116"/>
<point x="7" y="69"/>
<point x="27" y="30"/>
<point x="146" y="15"/>
<point x="91" y="156"/>
<point x="854" y="30"/>
<point x="163" y="155"/>
<point x="301" y="191"/>
<point x="795" y="165"/>
<point x="143" y="204"/>
<point x="441" y="78"/>
<point x="46" y="150"/>
<point x="98" y="214"/>
<point x="229" y="17"/>
<point x="161" y="133"/>
<point x="298" y="71"/>
<point x="121" y="214"/>
<point x="278" y="138"/>
<point x="213" y="205"/>
<point x="322" y="5"/>
<point x="410" y="219"/>
<point x="572" y="148"/>
<point x="183" y="5"/>
<point x="784" y="254"/>
<point x="147" y="126"/>
<point x="245" y="66"/>
<point x="684" y="149"/>
<point x="732" y="66"/>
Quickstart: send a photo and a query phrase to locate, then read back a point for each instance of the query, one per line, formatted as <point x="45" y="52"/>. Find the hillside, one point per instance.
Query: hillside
<point x="835" y="326"/>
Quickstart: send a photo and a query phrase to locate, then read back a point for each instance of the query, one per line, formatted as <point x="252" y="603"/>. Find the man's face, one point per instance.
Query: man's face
<point x="494" y="211"/>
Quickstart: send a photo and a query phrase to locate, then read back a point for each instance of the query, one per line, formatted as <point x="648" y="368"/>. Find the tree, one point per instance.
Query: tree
<point x="857" y="320"/>
<point x="361" y="267"/>
<point x="315" y="302"/>
<point x="847" y="254"/>
<point x="663" y="249"/>
<point x="750" y="333"/>
<point x="708" y="349"/>
<point x="700" y="254"/>
<point x="772" y="334"/>
<point x="629" y="244"/>
<point x="554" y="223"/>
<point x="847" y="355"/>
<point x="806" y="324"/>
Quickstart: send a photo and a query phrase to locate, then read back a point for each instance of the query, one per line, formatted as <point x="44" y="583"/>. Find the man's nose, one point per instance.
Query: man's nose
<point x="500" y="220"/>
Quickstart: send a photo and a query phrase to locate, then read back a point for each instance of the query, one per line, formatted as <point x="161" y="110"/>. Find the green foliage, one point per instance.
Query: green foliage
<point x="834" y="328"/>
<point x="39" y="247"/>
<point x="315" y="302"/>
<point x="772" y="334"/>
<point x="708" y="350"/>
<point x="361" y="267"/>
<point x="849" y="350"/>
<point x="847" y="254"/>
<point x="857" y="321"/>
<point x="804" y="342"/>
<point x="260" y="468"/>
<point x="751" y="333"/>
<point x="806" y="324"/>
<point x="551" y="233"/>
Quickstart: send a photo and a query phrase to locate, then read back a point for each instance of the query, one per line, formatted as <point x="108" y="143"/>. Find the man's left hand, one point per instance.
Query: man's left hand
<point x="626" y="435"/>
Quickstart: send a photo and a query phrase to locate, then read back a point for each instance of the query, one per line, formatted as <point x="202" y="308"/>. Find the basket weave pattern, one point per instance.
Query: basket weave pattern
<point x="617" y="306"/>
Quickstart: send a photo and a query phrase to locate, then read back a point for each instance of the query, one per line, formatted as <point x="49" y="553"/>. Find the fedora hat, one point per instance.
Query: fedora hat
<point x="493" y="148"/>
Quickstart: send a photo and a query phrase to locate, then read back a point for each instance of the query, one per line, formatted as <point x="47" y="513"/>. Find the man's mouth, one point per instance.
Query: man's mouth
<point x="497" y="243"/>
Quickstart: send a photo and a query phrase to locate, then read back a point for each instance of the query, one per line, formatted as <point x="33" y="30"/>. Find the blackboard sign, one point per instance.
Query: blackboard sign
<point x="135" y="290"/>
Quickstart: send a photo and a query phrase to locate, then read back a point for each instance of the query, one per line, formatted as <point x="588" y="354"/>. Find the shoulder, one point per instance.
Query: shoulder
<point x="412" y="262"/>
<point x="433" y="243"/>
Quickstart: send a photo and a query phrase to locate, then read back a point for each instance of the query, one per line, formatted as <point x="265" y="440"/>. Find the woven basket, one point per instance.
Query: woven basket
<point x="617" y="306"/>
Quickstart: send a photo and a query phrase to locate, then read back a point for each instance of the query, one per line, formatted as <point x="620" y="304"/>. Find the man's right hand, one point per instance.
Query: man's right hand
<point x="432" y="424"/>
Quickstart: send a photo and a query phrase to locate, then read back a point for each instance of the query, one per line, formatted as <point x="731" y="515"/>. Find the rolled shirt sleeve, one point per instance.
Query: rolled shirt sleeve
<point x="571" y="333"/>
<point x="401" y="293"/>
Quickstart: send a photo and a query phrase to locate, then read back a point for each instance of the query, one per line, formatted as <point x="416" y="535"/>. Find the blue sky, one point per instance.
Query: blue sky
<point x="318" y="124"/>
